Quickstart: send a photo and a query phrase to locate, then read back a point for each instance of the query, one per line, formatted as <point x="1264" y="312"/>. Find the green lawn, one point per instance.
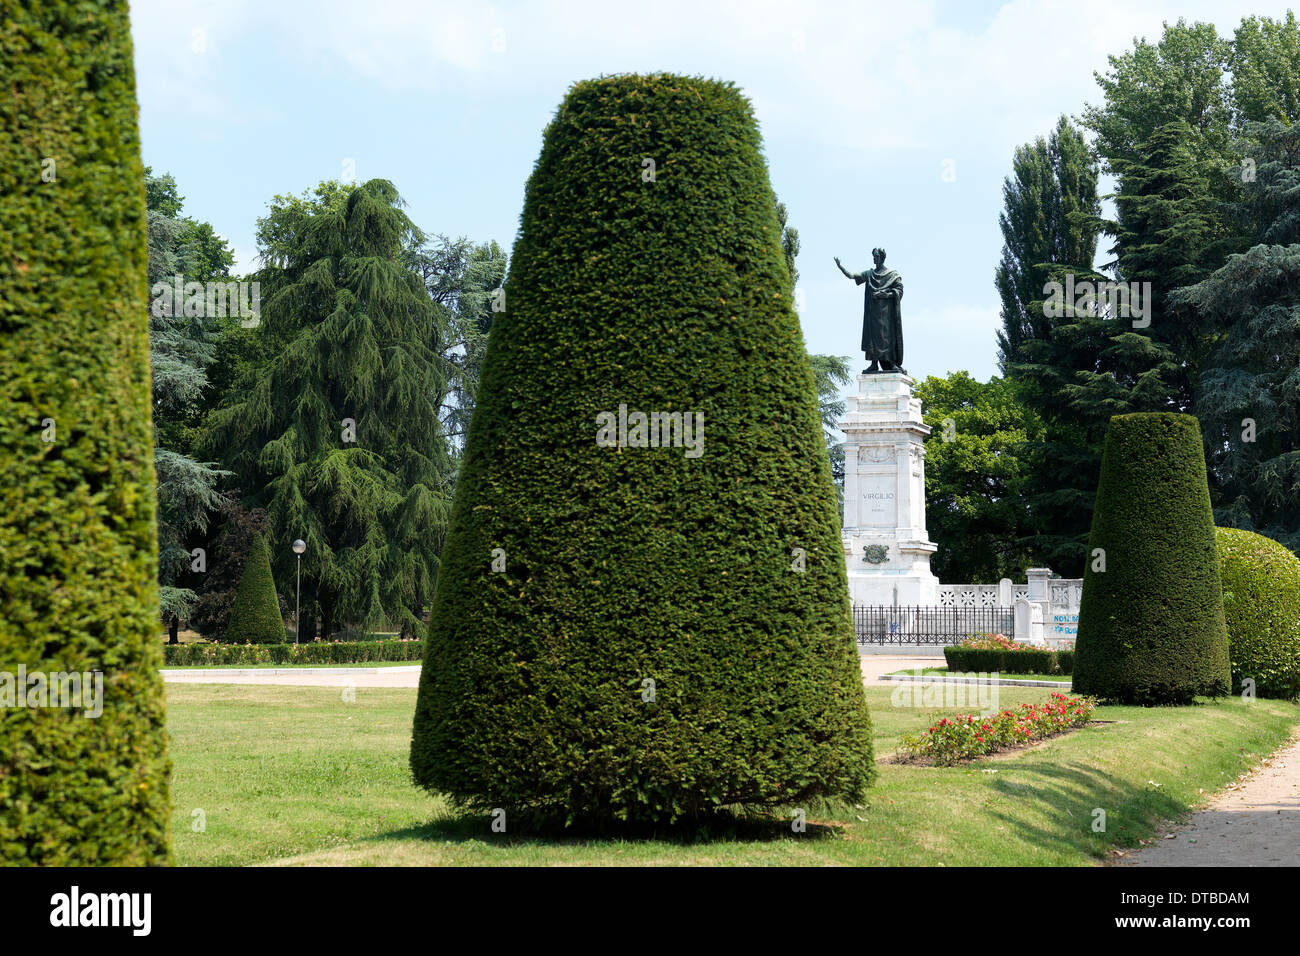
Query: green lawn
<point x="943" y="672"/>
<point x="298" y="775"/>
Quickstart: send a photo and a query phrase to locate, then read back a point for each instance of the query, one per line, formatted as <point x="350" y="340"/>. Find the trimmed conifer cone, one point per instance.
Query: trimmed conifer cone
<point x="78" y="543"/>
<point x="646" y="650"/>
<point x="1151" y="624"/>
<point x="255" y="617"/>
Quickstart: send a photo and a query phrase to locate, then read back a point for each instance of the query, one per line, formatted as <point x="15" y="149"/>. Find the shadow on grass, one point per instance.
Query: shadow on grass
<point x="1075" y="792"/>
<point x="723" y="827"/>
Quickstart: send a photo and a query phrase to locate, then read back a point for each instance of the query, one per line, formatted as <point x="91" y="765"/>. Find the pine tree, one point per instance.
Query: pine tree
<point x="1049" y="228"/>
<point x="1049" y="218"/>
<point x="832" y="374"/>
<point x="1165" y="132"/>
<point x="464" y="280"/>
<point x="1247" y="401"/>
<point x="831" y="371"/>
<point x="335" y="430"/>
<point x="181" y="348"/>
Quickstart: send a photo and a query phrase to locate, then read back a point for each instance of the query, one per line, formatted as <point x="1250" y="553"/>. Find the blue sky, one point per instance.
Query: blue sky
<point x="864" y="107"/>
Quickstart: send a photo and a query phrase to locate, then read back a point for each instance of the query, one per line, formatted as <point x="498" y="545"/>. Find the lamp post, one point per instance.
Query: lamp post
<point x="299" y="546"/>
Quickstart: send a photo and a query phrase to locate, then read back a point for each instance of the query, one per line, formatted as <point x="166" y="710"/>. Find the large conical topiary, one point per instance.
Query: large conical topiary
<point x="78" y="550"/>
<point x="1261" y="603"/>
<point x="623" y="632"/>
<point x="255" y="617"/>
<point x="1151" y="626"/>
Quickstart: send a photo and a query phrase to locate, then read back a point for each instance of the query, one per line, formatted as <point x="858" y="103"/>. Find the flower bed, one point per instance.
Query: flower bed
<point x="996" y="652"/>
<point x="315" y="652"/>
<point x="966" y="735"/>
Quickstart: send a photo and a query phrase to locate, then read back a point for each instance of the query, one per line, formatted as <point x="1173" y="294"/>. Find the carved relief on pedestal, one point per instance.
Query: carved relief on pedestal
<point x="917" y="454"/>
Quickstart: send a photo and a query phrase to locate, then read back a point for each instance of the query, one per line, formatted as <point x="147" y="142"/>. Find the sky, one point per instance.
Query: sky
<point x="885" y="124"/>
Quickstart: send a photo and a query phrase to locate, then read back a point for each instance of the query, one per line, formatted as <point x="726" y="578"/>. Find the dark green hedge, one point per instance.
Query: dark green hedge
<point x="1261" y="603"/>
<point x="1151" y="626"/>
<point x="1009" y="662"/>
<point x="78" y="552"/>
<point x="255" y="617"/>
<point x="317" y="652"/>
<point x="624" y="565"/>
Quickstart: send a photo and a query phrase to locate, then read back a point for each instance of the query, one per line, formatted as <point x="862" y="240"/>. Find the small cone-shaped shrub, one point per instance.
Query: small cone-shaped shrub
<point x="1261" y="602"/>
<point x="624" y="632"/>
<point x="1151" y="626"/>
<point x="255" y="617"/>
<point x="78" y="546"/>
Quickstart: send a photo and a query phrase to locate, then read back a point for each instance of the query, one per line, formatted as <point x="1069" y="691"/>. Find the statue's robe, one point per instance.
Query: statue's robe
<point x="882" y="319"/>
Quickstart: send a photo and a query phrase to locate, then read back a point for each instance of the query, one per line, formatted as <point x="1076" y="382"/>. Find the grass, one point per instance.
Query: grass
<point x="298" y="775"/>
<point x="943" y="672"/>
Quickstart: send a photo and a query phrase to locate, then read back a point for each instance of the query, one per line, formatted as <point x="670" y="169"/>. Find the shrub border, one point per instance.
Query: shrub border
<point x="1009" y="662"/>
<point x="315" y="652"/>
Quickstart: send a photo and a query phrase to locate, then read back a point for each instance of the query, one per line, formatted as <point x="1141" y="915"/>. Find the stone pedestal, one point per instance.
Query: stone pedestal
<point x="886" y="547"/>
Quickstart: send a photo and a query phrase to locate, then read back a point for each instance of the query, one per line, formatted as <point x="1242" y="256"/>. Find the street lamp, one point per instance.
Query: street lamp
<point x="299" y="546"/>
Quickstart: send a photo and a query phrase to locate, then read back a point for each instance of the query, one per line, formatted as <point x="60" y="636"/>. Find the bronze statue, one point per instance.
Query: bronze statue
<point x="882" y="315"/>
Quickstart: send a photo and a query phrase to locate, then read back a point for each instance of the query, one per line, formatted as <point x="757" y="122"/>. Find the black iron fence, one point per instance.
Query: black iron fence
<point x="922" y="624"/>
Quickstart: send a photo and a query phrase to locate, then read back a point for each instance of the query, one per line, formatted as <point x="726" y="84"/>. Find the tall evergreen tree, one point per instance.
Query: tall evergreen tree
<point x="1165" y="132"/>
<point x="832" y="374"/>
<point x="181" y="348"/>
<point x="1049" y="217"/>
<point x="464" y="280"/>
<point x="337" y="431"/>
<point x="1249" y="396"/>
<point x="789" y="241"/>
<point x="1050" y="227"/>
<point x="831" y="371"/>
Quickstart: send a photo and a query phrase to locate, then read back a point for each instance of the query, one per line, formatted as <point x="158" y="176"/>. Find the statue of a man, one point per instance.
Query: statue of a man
<point x="882" y="315"/>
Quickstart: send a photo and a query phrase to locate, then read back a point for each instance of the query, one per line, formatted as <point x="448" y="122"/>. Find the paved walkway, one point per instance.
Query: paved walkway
<point x="1255" y="822"/>
<point x="873" y="665"/>
<point x="401" y="676"/>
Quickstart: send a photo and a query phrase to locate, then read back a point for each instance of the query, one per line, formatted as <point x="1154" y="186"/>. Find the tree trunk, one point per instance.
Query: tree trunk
<point x="307" y="624"/>
<point x="173" y="630"/>
<point x="326" y="617"/>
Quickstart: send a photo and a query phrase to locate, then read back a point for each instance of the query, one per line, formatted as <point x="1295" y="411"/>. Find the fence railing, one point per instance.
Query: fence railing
<point x="927" y="624"/>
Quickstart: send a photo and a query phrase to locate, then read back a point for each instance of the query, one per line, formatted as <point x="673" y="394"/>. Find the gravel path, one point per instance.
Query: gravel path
<point x="1255" y="822"/>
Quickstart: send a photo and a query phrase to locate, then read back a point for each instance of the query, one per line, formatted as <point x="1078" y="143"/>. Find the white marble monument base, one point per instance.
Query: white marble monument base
<point x="886" y="547"/>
